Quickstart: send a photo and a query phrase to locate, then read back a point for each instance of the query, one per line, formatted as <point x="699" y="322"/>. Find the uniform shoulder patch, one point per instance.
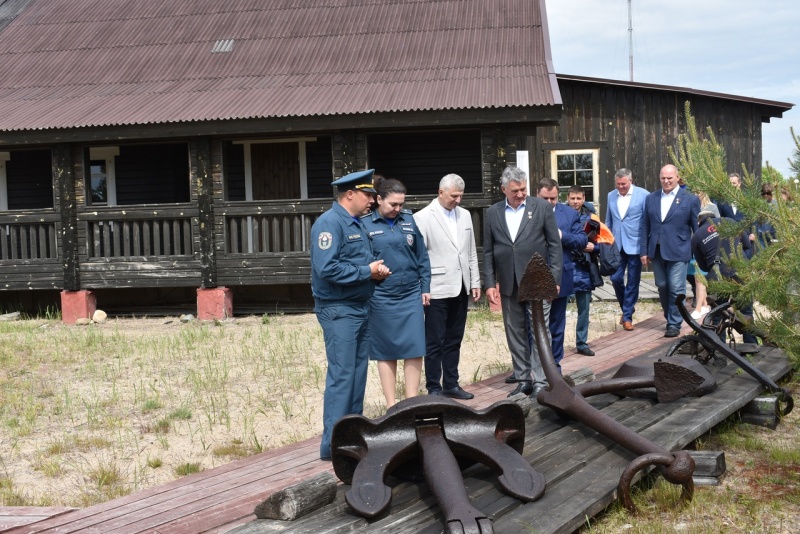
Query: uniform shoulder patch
<point x="325" y="240"/>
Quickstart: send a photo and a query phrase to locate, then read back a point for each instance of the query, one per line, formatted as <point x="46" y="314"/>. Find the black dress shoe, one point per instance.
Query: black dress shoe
<point x="586" y="351"/>
<point x="535" y="391"/>
<point x="457" y="393"/>
<point x="436" y="393"/>
<point x="524" y="386"/>
<point x="672" y="332"/>
<point x="510" y="379"/>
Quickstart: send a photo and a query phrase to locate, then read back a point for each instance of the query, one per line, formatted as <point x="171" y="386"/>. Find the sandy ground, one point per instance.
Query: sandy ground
<point x="99" y="419"/>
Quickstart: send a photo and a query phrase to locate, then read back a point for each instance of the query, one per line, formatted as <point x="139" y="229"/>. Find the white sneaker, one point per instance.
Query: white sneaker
<point x="696" y="315"/>
<point x="704" y="310"/>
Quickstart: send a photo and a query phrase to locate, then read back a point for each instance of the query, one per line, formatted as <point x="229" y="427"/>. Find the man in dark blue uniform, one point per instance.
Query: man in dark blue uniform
<point x="710" y="251"/>
<point x="343" y="275"/>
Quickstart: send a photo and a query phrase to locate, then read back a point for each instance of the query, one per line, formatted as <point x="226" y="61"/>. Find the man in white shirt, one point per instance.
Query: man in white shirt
<point x="514" y="229"/>
<point x="450" y="240"/>
<point x="670" y="219"/>
<point x="625" y="217"/>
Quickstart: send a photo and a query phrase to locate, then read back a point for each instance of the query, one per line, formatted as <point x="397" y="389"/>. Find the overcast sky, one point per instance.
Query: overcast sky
<point x="738" y="47"/>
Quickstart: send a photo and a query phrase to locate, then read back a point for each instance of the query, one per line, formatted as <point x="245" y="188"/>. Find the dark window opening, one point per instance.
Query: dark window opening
<point x="29" y="179"/>
<point x="421" y="159"/>
<point x="152" y="174"/>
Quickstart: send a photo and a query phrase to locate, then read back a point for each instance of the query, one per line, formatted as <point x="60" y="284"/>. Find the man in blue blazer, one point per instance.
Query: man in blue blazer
<point x="625" y="218"/>
<point x="670" y="219"/>
<point x="572" y="238"/>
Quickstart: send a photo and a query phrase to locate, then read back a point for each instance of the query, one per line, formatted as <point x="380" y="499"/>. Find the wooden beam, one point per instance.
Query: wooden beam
<point x="201" y="150"/>
<point x="64" y="181"/>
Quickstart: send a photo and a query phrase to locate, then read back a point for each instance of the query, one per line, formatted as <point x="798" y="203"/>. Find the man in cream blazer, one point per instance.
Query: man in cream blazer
<point x="450" y="240"/>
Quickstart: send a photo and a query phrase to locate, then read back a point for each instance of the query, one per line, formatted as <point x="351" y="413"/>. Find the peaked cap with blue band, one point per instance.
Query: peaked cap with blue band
<point x="361" y="181"/>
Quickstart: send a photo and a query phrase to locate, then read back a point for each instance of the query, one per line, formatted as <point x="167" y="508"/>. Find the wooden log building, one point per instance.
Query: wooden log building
<point x="155" y="150"/>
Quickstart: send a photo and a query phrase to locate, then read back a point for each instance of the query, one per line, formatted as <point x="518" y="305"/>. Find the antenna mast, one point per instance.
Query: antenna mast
<point x="630" y="41"/>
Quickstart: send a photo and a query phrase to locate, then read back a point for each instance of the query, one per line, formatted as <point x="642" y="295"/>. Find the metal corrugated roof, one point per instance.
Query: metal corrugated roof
<point x="780" y="106"/>
<point x="82" y="63"/>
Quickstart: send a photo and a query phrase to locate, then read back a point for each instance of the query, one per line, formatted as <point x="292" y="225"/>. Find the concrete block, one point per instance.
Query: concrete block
<point x="77" y="305"/>
<point x="215" y="303"/>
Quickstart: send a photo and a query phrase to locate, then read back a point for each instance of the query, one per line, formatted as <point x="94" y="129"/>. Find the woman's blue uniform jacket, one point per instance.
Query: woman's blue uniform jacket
<point x="402" y="249"/>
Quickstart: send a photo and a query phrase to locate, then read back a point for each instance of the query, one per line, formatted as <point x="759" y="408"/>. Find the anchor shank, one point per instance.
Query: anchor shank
<point x="444" y="478"/>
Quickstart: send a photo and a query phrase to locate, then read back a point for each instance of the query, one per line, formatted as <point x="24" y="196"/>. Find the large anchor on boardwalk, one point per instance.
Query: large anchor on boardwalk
<point x="671" y="382"/>
<point x="438" y="432"/>
<point x="710" y="339"/>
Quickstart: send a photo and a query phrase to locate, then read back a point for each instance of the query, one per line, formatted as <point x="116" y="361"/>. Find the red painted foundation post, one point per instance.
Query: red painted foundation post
<point x="77" y="305"/>
<point x="214" y="303"/>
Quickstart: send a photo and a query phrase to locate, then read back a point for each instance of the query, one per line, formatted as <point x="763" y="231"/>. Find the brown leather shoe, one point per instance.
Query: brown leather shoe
<point x="627" y="325"/>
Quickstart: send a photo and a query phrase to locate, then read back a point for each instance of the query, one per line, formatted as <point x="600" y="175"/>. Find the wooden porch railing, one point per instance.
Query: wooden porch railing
<point x="29" y="236"/>
<point x="280" y="227"/>
<point x="138" y="232"/>
<point x="270" y="227"/>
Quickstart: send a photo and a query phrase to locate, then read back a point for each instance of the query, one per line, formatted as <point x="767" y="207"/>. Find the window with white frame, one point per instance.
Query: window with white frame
<point x="577" y="167"/>
<point x="102" y="176"/>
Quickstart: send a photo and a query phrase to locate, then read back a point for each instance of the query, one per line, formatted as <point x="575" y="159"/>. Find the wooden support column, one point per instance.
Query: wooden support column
<point x="205" y="203"/>
<point x="64" y="184"/>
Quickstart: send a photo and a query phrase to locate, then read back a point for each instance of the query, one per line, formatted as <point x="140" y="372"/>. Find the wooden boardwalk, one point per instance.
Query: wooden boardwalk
<point x="217" y="500"/>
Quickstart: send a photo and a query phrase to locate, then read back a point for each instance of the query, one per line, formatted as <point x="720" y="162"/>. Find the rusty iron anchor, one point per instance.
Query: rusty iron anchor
<point x="437" y="431"/>
<point x="538" y="285"/>
<point x="707" y="332"/>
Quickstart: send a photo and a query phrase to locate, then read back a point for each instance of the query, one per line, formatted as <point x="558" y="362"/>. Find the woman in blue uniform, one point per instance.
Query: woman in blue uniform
<point x="396" y="317"/>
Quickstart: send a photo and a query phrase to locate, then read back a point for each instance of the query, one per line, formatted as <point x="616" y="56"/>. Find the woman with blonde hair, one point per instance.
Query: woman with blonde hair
<point x="699" y="289"/>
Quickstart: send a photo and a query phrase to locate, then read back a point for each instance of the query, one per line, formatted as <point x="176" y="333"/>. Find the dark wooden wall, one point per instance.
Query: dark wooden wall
<point x="634" y="127"/>
<point x="210" y="236"/>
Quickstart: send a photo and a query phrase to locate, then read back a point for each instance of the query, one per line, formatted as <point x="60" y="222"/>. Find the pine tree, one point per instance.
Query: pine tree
<point x="794" y="161"/>
<point x="772" y="277"/>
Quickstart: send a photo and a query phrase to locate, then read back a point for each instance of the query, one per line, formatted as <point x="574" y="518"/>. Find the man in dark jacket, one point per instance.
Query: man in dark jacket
<point x="514" y="229"/>
<point x="709" y="250"/>
<point x="572" y="238"/>
<point x="581" y="278"/>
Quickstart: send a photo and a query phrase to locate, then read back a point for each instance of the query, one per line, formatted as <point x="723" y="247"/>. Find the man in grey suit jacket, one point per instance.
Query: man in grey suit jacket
<point x="625" y="219"/>
<point x="514" y="229"/>
<point x="450" y="240"/>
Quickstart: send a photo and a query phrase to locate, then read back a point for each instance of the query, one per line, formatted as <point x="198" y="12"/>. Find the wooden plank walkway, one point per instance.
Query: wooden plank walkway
<point x="582" y="468"/>
<point x="220" y="499"/>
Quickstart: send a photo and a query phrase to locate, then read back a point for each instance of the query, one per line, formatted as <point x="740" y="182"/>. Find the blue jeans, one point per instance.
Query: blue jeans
<point x="627" y="293"/>
<point x="670" y="278"/>
<point x="345" y="330"/>
<point x="582" y="299"/>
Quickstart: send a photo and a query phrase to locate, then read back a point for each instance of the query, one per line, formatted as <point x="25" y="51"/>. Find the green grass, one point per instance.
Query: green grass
<point x="760" y="493"/>
<point x="188" y="468"/>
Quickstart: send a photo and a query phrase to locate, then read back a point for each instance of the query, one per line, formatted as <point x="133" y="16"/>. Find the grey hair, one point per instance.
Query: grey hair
<point x="512" y="174"/>
<point x="624" y="173"/>
<point x="452" y="182"/>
